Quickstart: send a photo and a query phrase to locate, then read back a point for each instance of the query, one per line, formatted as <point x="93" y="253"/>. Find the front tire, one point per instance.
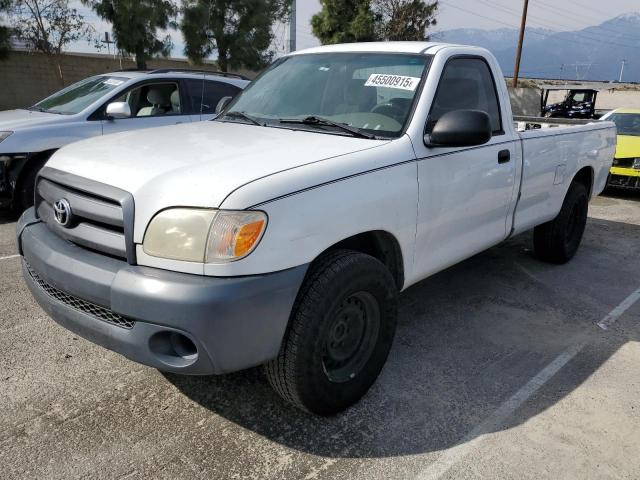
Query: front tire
<point x="339" y="335"/>
<point x="557" y="241"/>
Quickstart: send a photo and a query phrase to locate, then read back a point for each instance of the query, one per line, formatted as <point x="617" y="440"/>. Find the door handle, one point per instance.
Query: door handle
<point x="504" y="156"/>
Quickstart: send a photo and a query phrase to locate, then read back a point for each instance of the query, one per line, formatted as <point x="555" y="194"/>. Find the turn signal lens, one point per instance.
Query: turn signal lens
<point x="247" y="237"/>
<point x="234" y="235"/>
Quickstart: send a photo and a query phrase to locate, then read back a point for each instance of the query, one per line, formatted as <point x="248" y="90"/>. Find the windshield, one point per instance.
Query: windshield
<point x="370" y="92"/>
<point x="627" y="123"/>
<point x="79" y="96"/>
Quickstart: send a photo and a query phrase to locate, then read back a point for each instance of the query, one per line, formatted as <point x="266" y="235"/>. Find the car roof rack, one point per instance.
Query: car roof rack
<point x="193" y="70"/>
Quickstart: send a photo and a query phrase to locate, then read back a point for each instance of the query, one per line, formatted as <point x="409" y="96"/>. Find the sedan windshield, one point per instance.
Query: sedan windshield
<point x="79" y="96"/>
<point x="627" y="123"/>
<point x="361" y="94"/>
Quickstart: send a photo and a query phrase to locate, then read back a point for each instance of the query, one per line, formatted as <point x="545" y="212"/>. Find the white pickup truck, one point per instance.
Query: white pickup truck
<point x="282" y="232"/>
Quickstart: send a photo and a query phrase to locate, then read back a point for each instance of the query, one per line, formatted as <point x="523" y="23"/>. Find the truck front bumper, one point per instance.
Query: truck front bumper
<point x="171" y="321"/>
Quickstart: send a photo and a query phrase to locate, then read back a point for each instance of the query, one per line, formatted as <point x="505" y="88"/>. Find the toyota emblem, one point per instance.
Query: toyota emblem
<point x="62" y="212"/>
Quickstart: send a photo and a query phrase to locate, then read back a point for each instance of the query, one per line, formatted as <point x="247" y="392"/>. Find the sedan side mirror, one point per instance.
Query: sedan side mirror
<point x="118" y="110"/>
<point x="460" y="128"/>
<point x="223" y="102"/>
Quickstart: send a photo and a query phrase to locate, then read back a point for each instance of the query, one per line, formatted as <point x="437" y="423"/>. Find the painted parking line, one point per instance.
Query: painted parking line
<point x="454" y="455"/>
<point x="9" y="256"/>
<point x="617" y="312"/>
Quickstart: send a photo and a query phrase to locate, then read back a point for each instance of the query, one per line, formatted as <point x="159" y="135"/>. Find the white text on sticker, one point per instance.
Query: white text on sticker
<point x="392" y="81"/>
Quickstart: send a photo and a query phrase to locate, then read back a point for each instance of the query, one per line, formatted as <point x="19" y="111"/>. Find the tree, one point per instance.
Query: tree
<point x="404" y="19"/>
<point x="135" y="25"/>
<point x="49" y="25"/>
<point x="238" y="31"/>
<point x="344" y="21"/>
<point x="5" y="31"/>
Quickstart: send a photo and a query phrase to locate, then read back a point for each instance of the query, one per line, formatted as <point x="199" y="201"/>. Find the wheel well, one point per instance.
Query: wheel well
<point x="585" y="177"/>
<point x="381" y="245"/>
<point x="40" y="157"/>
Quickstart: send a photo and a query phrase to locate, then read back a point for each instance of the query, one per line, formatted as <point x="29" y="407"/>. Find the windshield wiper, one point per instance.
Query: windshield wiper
<point x="243" y="116"/>
<point x="313" y="120"/>
<point x="37" y="109"/>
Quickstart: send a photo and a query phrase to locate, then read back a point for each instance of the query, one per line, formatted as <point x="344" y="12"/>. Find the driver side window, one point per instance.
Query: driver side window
<point x="153" y="100"/>
<point x="466" y="84"/>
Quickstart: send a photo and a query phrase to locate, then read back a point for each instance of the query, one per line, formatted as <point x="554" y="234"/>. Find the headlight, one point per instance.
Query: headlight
<point x="202" y="235"/>
<point x="636" y="163"/>
<point x="4" y="135"/>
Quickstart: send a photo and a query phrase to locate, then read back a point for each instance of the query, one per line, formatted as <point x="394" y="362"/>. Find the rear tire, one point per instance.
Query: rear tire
<point x="557" y="241"/>
<point x="339" y="335"/>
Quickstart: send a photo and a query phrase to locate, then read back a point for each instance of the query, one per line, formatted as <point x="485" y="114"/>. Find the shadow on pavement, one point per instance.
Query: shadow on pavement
<point x="622" y="193"/>
<point x="468" y="339"/>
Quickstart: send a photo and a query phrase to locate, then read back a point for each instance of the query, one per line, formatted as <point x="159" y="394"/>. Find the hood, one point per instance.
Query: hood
<point x="628" y="147"/>
<point x="196" y="164"/>
<point x="12" y="120"/>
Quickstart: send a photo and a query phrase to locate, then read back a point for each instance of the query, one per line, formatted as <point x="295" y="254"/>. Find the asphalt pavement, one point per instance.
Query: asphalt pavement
<point x="499" y="370"/>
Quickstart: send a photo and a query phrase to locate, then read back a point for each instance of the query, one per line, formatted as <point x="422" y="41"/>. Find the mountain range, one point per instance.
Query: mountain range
<point x="594" y="53"/>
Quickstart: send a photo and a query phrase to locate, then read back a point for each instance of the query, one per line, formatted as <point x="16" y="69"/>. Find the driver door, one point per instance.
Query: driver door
<point x="464" y="192"/>
<point x="152" y="104"/>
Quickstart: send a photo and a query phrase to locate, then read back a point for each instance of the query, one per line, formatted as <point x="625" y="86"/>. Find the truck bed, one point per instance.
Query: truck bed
<point x="551" y="155"/>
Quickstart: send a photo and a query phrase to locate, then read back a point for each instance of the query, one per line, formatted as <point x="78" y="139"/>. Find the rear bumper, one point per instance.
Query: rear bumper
<point x="230" y="323"/>
<point x="624" y="178"/>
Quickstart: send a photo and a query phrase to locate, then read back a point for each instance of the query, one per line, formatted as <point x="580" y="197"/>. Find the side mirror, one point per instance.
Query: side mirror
<point x="223" y="102"/>
<point x="118" y="110"/>
<point x="460" y="128"/>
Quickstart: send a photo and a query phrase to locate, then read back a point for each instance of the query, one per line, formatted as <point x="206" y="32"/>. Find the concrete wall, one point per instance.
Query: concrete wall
<point x="525" y="101"/>
<point x="26" y="78"/>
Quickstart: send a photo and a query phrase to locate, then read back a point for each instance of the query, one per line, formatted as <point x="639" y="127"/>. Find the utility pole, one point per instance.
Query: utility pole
<point x="292" y="27"/>
<point x="622" y="70"/>
<point x="523" y="25"/>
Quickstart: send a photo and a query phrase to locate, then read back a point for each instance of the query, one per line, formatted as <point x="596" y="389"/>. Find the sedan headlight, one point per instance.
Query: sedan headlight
<point x="204" y="235"/>
<point x="4" y="135"/>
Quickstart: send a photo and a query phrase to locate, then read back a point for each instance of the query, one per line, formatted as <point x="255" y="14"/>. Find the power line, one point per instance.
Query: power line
<point x="558" y="24"/>
<point x="598" y="26"/>
<point x="595" y="10"/>
<point x="578" y="34"/>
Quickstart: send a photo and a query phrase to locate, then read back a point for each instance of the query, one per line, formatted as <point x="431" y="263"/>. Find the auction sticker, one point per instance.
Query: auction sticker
<point x="392" y="81"/>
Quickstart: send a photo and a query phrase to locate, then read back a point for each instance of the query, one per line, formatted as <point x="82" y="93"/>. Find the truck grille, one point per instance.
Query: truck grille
<point x="98" y="213"/>
<point x="83" y="306"/>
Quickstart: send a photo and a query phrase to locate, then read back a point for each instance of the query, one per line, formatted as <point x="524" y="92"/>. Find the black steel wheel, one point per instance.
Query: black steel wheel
<point x="351" y="337"/>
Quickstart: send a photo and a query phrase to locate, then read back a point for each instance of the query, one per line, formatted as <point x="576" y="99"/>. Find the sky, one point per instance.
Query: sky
<point x="559" y="15"/>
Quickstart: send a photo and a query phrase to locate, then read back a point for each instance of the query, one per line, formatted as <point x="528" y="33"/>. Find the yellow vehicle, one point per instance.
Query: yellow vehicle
<point x="625" y="171"/>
